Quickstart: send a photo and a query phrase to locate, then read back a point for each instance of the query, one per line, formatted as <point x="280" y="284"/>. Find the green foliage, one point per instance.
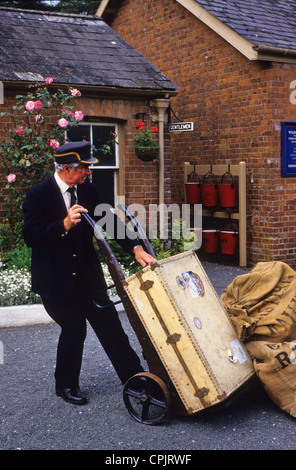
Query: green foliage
<point x="124" y="258"/>
<point x="77" y="6"/>
<point x="10" y="235"/>
<point x="182" y="238"/>
<point x="5" y="237"/>
<point x="68" y="6"/>
<point x="28" y="5"/>
<point x="39" y="119"/>
<point x="15" y="277"/>
<point x="19" y="258"/>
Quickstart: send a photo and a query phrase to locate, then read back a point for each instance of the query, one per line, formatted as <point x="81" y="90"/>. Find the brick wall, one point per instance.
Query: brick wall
<point x="6" y="107"/>
<point x="140" y="178"/>
<point x="236" y="105"/>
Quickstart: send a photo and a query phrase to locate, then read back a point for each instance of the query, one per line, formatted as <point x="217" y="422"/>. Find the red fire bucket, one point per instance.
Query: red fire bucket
<point x="210" y="238"/>
<point x="209" y="190"/>
<point x="227" y="192"/>
<point x="192" y="193"/>
<point x="228" y="242"/>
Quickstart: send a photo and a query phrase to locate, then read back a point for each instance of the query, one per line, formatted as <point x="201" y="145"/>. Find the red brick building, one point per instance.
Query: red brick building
<point x="235" y="62"/>
<point x="118" y="85"/>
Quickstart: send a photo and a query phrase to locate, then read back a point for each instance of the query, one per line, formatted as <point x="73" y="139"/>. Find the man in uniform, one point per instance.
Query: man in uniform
<point x="66" y="272"/>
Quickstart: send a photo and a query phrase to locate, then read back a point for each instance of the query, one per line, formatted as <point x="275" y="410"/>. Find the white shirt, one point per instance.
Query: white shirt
<point x="63" y="188"/>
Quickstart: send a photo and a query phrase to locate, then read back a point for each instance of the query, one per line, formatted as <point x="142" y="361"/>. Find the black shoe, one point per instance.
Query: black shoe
<point x="71" y="395"/>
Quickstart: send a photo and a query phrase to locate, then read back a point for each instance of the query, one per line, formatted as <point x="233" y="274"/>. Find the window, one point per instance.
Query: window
<point x="105" y="172"/>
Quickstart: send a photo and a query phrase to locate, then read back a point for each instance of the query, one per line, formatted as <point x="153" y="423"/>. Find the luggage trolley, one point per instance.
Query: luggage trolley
<point x="194" y="357"/>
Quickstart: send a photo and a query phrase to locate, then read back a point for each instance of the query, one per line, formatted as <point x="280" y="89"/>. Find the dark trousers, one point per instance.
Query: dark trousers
<point x="72" y="316"/>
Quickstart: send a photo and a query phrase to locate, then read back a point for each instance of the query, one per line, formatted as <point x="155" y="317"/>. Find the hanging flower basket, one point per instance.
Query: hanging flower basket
<point x="145" y="144"/>
<point x="147" y="154"/>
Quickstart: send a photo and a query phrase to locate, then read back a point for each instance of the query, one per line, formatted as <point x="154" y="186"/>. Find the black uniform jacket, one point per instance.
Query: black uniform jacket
<point x="62" y="261"/>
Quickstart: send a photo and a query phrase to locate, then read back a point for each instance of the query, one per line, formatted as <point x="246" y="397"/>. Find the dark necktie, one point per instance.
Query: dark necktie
<point x="73" y="196"/>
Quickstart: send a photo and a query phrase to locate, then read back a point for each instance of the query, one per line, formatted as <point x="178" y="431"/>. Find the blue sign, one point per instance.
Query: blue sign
<point x="288" y="149"/>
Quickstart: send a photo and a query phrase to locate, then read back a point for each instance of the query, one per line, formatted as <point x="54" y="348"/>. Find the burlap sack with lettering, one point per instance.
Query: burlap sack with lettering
<point x="262" y="307"/>
<point x="275" y="365"/>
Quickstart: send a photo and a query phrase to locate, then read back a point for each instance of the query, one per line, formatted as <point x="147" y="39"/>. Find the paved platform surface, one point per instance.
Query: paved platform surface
<point x="34" y="418"/>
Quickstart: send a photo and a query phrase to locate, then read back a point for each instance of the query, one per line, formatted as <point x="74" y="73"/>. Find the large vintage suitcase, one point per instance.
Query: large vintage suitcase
<point x="190" y="330"/>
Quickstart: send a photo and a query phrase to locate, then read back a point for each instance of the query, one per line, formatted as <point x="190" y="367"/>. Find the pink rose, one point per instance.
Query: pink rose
<point x="11" y="178"/>
<point x="20" y="130"/>
<point x="54" y="144"/>
<point x="63" y="122"/>
<point x="78" y="115"/>
<point x="49" y="80"/>
<point x="76" y="93"/>
<point x="38" y="105"/>
<point x="39" y="118"/>
<point x="30" y="106"/>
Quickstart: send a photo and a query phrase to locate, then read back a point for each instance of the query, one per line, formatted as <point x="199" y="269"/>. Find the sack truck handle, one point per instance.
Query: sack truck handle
<point x="112" y="263"/>
<point x="141" y="233"/>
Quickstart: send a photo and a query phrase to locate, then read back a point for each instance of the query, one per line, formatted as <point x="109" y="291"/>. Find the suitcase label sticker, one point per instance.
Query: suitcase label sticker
<point x="197" y="323"/>
<point x="140" y="306"/>
<point x="191" y="281"/>
<point x="238" y="352"/>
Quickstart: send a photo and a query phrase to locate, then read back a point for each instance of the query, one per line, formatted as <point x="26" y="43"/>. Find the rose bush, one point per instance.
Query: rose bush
<point x="39" y="119"/>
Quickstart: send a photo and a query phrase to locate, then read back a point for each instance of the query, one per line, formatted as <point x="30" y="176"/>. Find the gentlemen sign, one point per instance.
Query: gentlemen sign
<point x="288" y="148"/>
<point x="180" y="126"/>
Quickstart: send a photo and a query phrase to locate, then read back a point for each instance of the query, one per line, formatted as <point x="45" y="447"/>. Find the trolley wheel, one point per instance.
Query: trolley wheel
<point x="147" y="398"/>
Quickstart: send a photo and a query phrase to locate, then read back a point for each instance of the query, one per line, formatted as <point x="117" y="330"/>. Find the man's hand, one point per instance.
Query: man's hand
<point x="143" y="257"/>
<point x="74" y="216"/>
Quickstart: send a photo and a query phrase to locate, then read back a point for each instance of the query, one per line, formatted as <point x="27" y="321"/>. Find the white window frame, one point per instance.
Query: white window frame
<point x="104" y="167"/>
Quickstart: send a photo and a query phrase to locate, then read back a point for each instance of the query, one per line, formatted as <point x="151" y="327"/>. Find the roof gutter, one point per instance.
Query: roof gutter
<point x="106" y="91"/>
<point x="247" y="48"/>
<point x="276" y="54"/>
